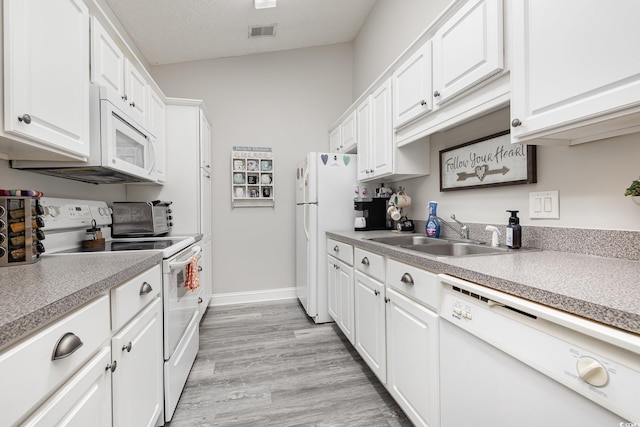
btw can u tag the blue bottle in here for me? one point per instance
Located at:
(433, 224)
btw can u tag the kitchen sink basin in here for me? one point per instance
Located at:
(408, 240)
(442, 247)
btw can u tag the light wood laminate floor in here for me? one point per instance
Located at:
(267, 364)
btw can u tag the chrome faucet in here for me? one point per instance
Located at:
(464, 228)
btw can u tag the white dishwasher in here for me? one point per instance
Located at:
(506, 361)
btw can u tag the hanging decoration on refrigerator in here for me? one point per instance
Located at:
(252, 177)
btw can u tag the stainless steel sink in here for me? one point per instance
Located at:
(407, 240)
(441, 247)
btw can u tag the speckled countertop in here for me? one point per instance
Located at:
(33, 295)
(606, 290)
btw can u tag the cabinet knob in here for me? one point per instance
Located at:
(66, 346)
(376, 292)
(365, 261)
(336, 248)
(436, 94)
(515, 123)
(127, 347)
(124, 97)
(199, 268)
(145, 288)
(423, 102)
(133, 104)
(112, 366)
(386, 299)
(199, 300)
(25, 118)
(407, 279)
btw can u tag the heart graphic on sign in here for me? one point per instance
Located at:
(481, 171)
(346, 160)
(324, 158)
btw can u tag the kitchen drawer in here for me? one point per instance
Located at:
(28, 371)
(369, 263)
(131, 297)
(342, 251)
(420, 285)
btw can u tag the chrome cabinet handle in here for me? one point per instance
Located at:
(199, 268)
(336, 248)
(407, 279)
(423, 102)
(145, 289)
(376, 292)
(515, 123)
(124, 97)
(127, 347)
(133, 104)
(365, 261)
(436, 94)
(112, 366)
(386, 299)
(199, 300)
(66, 346)
(25, 118)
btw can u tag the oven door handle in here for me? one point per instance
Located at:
(197, 250)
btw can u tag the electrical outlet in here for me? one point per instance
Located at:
(544, 204)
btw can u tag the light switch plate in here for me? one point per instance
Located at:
(544, 204)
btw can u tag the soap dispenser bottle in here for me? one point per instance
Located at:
(433, 224)
(513, 238)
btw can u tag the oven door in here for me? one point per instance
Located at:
(125, 146)
(180, 304)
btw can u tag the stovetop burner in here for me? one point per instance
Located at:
(142, 245)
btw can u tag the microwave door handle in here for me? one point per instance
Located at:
(181, 264)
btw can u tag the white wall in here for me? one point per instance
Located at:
(389, 29)
(284, 100)
(58, 187)
(591, 179)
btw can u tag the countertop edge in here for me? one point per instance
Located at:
(623, 320)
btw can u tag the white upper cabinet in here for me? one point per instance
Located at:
(363, 130)
(111, 68)
(412, 87)
(343, 137)
(381, 154)
(157, 128)
(575, 75)
(334, 139)
(46, 93)
(467, 49)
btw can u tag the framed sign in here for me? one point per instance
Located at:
(487, 162)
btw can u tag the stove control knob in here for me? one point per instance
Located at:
(170, 224)
(592, 372)
(169, 211)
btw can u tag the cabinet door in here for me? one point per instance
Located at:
(412, 358)
(572, 60)
(363, 126)
(345, 303)
(46, 47)
(85, 400)
(107, 63)
(136, 91)
(370, 324)
(137, 380)
(206, 276)
(412, 87)
(205, 176)
(157, 124)
(381, 131)
(467, 49)
(334, 140)
(332, 288)
(348, 140)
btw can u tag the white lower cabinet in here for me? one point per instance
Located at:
(85, 400)
(370, 324)
(340, 289)
(137, 378)
(412, 358)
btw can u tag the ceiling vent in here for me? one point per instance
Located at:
(262, 31)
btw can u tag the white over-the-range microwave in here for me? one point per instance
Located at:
(121, 150)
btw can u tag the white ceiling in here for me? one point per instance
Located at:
(171, 31)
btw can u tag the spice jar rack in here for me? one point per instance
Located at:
(21, 232)
(252, 177)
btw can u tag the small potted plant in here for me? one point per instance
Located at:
(634, 191)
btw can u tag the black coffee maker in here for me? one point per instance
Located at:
(374, 210)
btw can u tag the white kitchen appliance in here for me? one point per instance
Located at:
(121, 150)
(66, 222)
(506, 361)
(325, 185)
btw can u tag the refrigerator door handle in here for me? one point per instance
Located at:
(305, 180)
(304, 221)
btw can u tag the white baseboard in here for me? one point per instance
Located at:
(253, 296)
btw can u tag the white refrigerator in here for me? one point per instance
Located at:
(325, 184)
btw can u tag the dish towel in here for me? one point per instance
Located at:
(192, 282)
